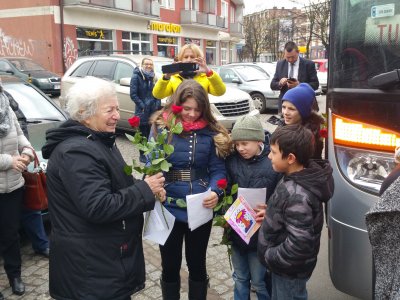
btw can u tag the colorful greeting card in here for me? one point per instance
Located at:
(242, 218)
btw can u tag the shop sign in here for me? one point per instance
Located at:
(95, 34)
(211, 44)
(166, 40)
(164, 27)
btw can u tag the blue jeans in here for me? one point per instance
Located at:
(288, 289)
(248, 268)
(32, 223)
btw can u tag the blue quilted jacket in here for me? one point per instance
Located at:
(193, 150)
(141, 89)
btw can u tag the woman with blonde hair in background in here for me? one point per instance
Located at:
(208, 79)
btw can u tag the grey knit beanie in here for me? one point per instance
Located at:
(248, 128)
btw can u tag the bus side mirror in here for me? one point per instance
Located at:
(385, 81)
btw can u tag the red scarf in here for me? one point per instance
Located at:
(196, 125)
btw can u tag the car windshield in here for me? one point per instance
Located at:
(26, 65)
(159, 64)
(33, 104)
(250, 74)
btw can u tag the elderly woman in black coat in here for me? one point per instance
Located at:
(96, 210)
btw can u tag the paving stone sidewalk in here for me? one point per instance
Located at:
(35, 268)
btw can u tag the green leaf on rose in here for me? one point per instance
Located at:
(128, 170)
(177, 129)
(157, 161)
(169, 149)
(165, 165)
(234, 189)
(181, 203)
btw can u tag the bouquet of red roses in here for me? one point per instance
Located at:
(157, 149)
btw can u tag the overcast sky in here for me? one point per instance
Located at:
(256, 5)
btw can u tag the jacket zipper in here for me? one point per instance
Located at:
(192, 163)
(123, 225)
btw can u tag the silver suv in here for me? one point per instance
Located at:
(119, 69)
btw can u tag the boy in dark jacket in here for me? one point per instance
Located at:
(249, 167)
(289, 239)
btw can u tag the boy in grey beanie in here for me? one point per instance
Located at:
(250, 167)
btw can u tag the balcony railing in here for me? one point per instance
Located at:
(202, 18)
(236, 29)
(143, 7)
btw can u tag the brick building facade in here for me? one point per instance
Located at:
(56, 32)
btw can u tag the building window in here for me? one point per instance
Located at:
(224, 53)
(224, 9)
(192, 41)
(232, 14)
(169, 4)
(167, 46)
(136, 42)
(93, 40)
(211, 52)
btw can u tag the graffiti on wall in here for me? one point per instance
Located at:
(70, 53)
(12, 46)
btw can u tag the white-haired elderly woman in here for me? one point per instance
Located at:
(15, 155)
(96, 210)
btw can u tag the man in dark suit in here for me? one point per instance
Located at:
(293, 70)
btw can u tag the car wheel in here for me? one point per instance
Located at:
(259, 101)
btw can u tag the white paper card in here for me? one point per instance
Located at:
(253, 196)
(197, 213)
(157, 228)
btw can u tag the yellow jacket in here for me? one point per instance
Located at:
(213, 85)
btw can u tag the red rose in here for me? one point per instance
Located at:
(222, 184)
(134, 121)
(323, 133)
(176, 109)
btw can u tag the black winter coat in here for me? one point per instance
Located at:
(289, 238)
(256, 172)
(96, 211)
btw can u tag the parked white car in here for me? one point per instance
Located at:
(119, 69)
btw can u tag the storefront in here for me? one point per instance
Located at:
(93, 40)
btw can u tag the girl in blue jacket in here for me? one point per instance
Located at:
(197, 165)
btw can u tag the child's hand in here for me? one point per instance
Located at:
(260, 210)
(211, 201)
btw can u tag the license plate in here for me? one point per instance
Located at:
(56, 86)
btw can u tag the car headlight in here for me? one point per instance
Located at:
(366, 169)
(364, 152)
(43, 80)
